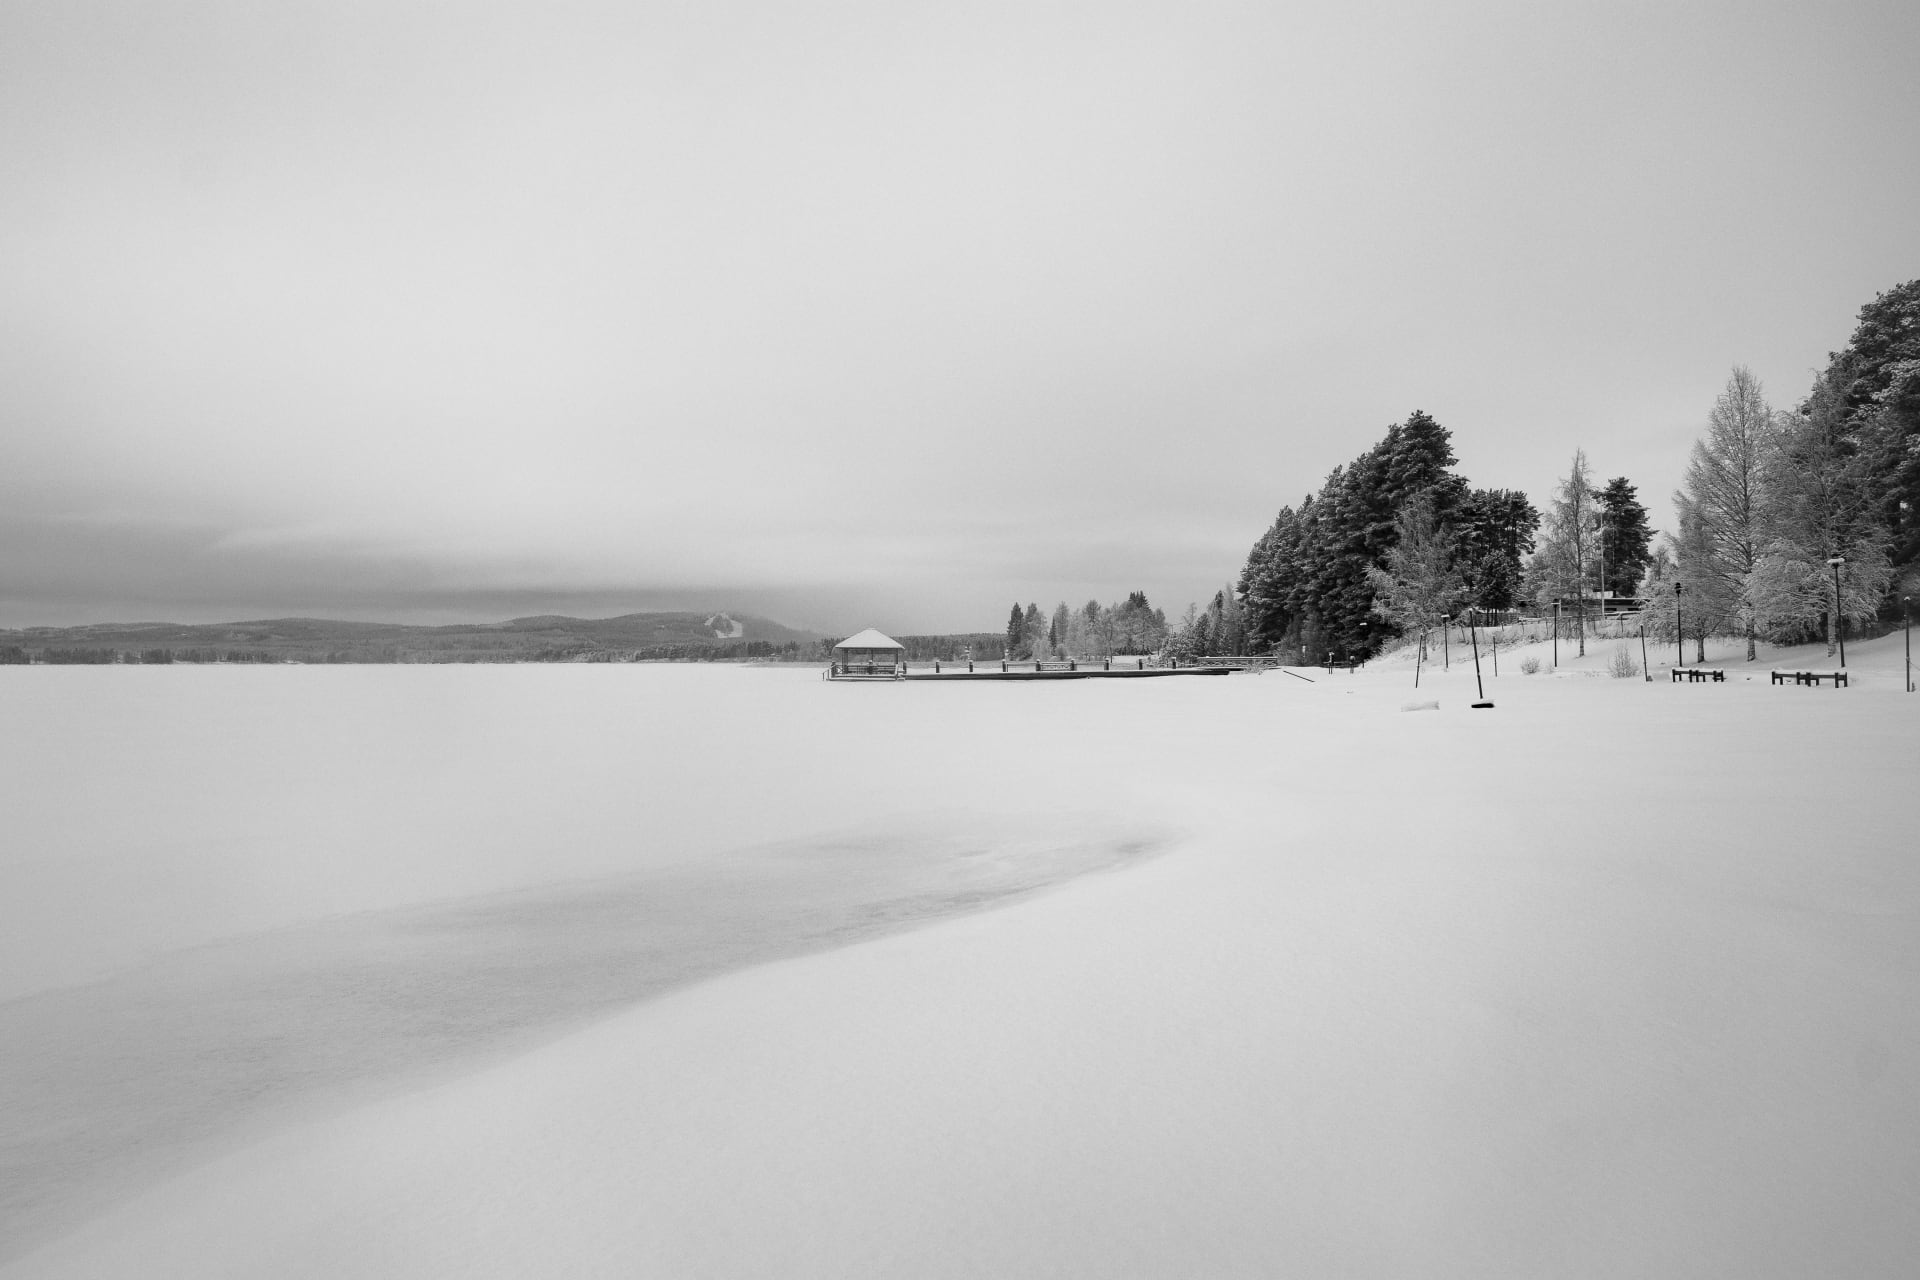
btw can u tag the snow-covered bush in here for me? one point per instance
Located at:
(1621, 665)
(1529, 665)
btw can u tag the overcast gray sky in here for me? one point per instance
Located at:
(877, 313)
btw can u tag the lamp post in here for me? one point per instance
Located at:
(1906, 606)
(1906, 613)
(1679, 635)
(1446, 642)
(1839, 619)
(1603, 581)
(1556, 635)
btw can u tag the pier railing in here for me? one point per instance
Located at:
(1119, 662)
(883, 670)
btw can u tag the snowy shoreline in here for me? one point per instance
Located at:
(114, 1084)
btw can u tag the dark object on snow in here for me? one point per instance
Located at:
(1474, 632)
(1813, 678)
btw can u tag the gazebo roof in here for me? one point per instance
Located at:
(869, 639)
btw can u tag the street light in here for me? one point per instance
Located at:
(1906, 612)
(1679, 638)
(1906, 606)
(1839, 619)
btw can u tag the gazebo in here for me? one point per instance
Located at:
(869, 654)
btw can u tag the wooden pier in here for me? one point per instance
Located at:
(997, 669)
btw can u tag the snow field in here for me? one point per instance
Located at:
(1613, 979)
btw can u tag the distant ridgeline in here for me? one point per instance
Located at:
(634, 637)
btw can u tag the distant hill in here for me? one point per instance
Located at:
(546, 638)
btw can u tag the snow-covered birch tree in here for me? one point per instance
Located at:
(1419, 585)
(1657, 615)
(1569, 542)
(1710, 599)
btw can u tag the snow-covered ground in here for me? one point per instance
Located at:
(687, 971)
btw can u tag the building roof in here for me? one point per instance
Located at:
(869, 639)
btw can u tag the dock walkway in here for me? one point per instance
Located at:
(996, 669)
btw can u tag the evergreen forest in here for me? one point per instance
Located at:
(1791, 523)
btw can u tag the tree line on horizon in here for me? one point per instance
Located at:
(1396, 541)
(1126, 627)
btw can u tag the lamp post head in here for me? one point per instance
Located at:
(1837, 561)
(1678, 587)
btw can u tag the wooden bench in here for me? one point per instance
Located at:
(1694, 675)
(1839, 678)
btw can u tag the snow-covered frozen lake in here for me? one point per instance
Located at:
(701, 970)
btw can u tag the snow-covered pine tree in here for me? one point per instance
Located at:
(1624, 537)
(1306, 580)
(1820, 490)
(1493, 532)
(1096, 626)
(1222, 619)
(1230, 630)
(1185, 640)
(1877, 377)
